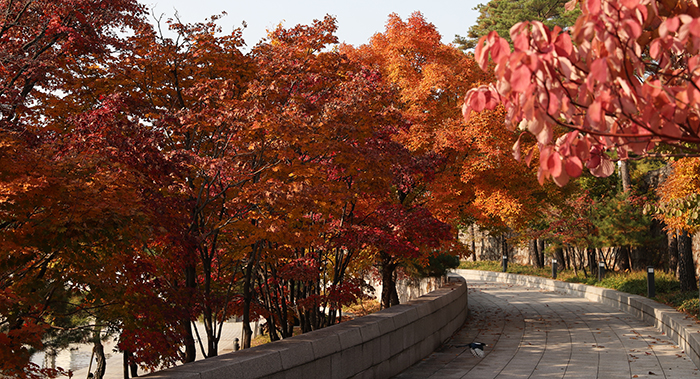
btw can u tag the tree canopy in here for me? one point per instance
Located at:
(149, 183)
(176, 179)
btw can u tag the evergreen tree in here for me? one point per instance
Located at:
(501, 15)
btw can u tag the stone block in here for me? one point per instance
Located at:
(385, 347)
(375, 347)
(174, 373)
(324, 343)
(396, 342)
(246, 364)
(383, 370)
(422, 308)
(348, 363)
(369, 331)
(349, 337)
(322, 368)
(406, 315)
(408, 333)
(423, 328)
(385, 323)
(401, 362)
(283, 375)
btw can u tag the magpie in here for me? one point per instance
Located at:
(477, 349)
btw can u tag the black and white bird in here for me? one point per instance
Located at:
(477, 349)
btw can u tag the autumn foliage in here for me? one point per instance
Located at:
(623, 79)
(149, 182)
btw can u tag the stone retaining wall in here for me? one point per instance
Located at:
(684, 330)
(379, 345)
(409, 289)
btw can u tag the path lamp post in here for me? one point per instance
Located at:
(505, 263)
(554, 268)
(651, 288)
(601, 271)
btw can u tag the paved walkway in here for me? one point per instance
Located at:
(532, 333)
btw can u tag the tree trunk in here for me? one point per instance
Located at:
(540, 250)
(473, 230)
(625, 175)
(134, 368)
(592, 266)
(559, 256)
(623, 260)
(637, 261)
(190, 347)
(130, 364)
(535, 254)
(50, 359)
(389, 294)
(481, 255)
(571, 256)
(272, 331)
(247, 299)
(125, 354)
(672, 252)
(686, 268)
(208, 315)
(99, 351)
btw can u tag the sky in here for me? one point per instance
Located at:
(357, 20)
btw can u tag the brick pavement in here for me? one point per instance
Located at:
(531, 333)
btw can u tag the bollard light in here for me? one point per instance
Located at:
(554, 268)
(505, 263)
(651, 288)
(601, 271)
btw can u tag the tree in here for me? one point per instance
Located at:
(501, 15)
(64, 233)
(190, 89)
(597, 81)
(678, 208)
(39, 38)
(329, 118)
(472, 175)
(54, 206)
(425, 75)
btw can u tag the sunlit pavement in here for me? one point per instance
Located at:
(531, 333)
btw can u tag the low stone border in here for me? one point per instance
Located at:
(379, 345)
(683, 329)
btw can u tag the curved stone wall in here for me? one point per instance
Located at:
(379, 345)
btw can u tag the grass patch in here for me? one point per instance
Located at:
(667, 286)
(264, 338)
(362, 307)
(260, 340)
(513, 268)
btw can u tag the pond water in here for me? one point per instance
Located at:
(77, 357)
(74, 358)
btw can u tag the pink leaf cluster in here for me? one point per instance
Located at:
(624, 78)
